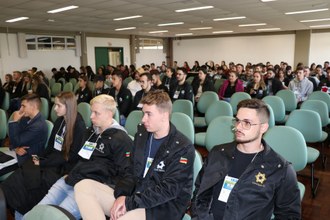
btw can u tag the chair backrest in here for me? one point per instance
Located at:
(289, 143)
(73, 81)
(184, 124)
(133, 119)
(44, 107)
(278, 107)
(289, 99)
(76, 87)
(206, 100)
(50, 126)
(6, 101)
(53, 115)
(3, 124)
(190, 79)
(127, 80)
(116, 115)
(218, 83)
(40, 212)
(308, 123)
(68, 87)
(91, 86)
(198, 163)
(52, 81)
(85, 110)
(56, 89)
(236, 98)
(219, 131)
(186, 217)
(184, 106)
(320, 107)
(271, 121)
(62, 81)
(218, 108)
(319, 95)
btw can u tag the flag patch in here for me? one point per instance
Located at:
(127, 154)
(183, 160)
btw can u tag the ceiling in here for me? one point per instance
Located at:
(96, 16)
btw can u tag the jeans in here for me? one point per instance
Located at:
(62, 194)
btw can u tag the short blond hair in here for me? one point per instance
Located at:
(107, 101)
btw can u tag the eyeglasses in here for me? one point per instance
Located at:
(246, 125)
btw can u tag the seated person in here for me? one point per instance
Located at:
(230, 86)
(29, 184)
(122, 96)
(160, 183)
(301, 86)
(105, 152)
(28, 131)
(100, 86)
(169, 80)
(83, 94)
(145, 82)
(273, 84)
(257, 88)
(181, 89)
(246, 179)
(134, 86)
(156, 82)
(202, 84)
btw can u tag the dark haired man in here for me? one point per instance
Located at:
(246, 179)
(145, 82)
(182, 89)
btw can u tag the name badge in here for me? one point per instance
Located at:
(58, 142)
(227, 186)
(176, 94)
(87, 150)
(148, 164)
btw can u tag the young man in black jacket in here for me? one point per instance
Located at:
(182, 89)
(160, 180)
(246, 179)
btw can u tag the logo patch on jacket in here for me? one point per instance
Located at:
(160, 167)
(260, 179)
(183, 160)
(127, 154)
(100, 148)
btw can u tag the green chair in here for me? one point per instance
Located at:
(218, 83)
(127, 80)
(184, 106)
(50, 212)
(186, 217)
(50, 126)
(271, 121)
(278, 107)
(319, 95)
(218, 108)
(219, 131)
(236, 98)
(73, 81)
(75, 88)
(320, 107)
(6, 101)
(184, 124)
(190, 79)
(206, 100)
(62, 81)
(309, 124)
(116, 116)
(55, 90)
(53, 115)
(85, 110)
(68, 87)
(3, 123)
(198, 164)
(51, 82)
(289, 99)
(133, 119)
(290, 144)
(44, 107)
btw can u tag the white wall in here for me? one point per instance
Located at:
(254, 49)
(43, 60)
(93, 42)
(147, 56)
(319, 48)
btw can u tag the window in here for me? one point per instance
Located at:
(148, 43)
(38, 42)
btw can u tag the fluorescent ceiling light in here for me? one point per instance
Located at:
(126, 18)
(230, 18)
(200, 28)
(307, 11)
(63, 9)
(169, 24)
(194, 9)
(124, 29)
(320, 26)
(251, 25)
(269, 29)
(17, 19)
(222, 32)
(156, 32)
(268, 0)
(314, 20)
(184, 34)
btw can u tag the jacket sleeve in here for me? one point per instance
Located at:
(126, 103)
(222, 89)
(189, 93)
(287, 198)
(173, 180)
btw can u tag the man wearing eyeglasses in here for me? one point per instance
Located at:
(246, 179)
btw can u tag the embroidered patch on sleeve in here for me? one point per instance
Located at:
(127, 154)
(183, 160)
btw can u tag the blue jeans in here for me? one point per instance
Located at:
(62, 194)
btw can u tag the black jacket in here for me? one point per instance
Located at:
(84, 95)
(137, 98)
(109, 161)
(184, 92)
(166, 189)
(169, 83)
(206, 86)
(279, 194)
(123, 99)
